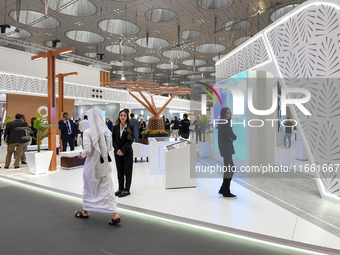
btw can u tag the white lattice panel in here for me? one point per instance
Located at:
(248, 57)
(305, 47)
(35, 86)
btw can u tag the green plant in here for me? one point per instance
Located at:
(42, 130)
(8, 119)
(204, 126)
(148, 132)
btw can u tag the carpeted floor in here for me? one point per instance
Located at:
(38, 222)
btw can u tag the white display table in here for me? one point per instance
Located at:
(156, 153)
(3, 153)
(180, 173)
(300, 152)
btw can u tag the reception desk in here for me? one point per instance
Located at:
(180, 163)
(156, 153)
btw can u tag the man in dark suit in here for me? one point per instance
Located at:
(76, 126)
(68, 132)
(143, 123)
(134, 123)
(109, 124)
(14, 139)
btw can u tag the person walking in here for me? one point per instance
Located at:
(167, 124)
(288, 133)
(122, 138)
(76, 126)
(134, 123)
(184, 125)
(98, 185)
(68, 132)
(25, 146)
(226, 137)
(14, 140)
(83, 125)
(175, 127)
(197, 128)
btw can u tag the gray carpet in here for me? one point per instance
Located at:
(38, 222)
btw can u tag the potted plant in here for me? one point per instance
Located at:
(38, 161)
(205, 128)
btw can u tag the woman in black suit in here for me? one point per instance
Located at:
(122, 137)
(226, 137)
(167, 124)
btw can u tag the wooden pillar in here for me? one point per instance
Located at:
(61, 104)
(104, 76)
(52, 108)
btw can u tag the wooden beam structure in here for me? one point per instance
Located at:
(61, 98)
(51, 96)
(151, 89)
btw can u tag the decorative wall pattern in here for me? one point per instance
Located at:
(249, 56)
(306, 49)
(23, 85)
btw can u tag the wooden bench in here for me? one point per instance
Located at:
(69, 159)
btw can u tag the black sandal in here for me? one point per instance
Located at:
(79, 214)
(114, 222)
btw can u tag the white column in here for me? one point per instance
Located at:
(204, 104)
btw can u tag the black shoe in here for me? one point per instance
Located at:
(118, 192)
(220, 192)
(6, 167)
(17, 167)
(23, 162)
(230, 196)
(114, 222)
(124, 194)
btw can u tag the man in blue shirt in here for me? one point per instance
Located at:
(175, 127)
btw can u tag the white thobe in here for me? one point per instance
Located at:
(98, 192)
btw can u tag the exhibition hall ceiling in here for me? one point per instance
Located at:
(173, 42)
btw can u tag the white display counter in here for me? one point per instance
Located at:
(180, 162)
(156, 153)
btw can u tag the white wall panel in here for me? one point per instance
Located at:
(19, 62)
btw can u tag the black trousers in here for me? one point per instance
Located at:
(185, 135)
(69, 141)
(228, 175)
(124, 169)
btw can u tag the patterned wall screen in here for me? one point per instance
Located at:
(305, 47)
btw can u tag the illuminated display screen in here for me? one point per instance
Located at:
(240, 145)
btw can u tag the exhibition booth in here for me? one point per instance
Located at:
(275, 207)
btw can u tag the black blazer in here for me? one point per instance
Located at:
(123, 143)
(64, 131)
(134, 123)
(226, 137)
(15, 136)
